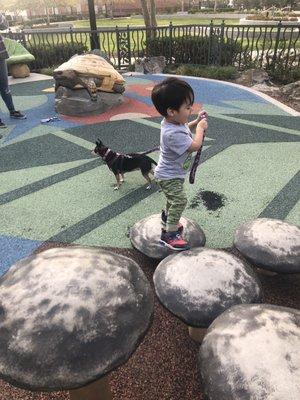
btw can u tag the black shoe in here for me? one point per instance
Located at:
(164, 222)
(173, 240)
(17, 115)
(2, 124)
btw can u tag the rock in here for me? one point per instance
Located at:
(198, 285)
(270, 244)
(252, 351)
(152, 65)
(145, 236)
(78, 102)
(70, 315)
(263, 87)
(252, 77)
(19, 70)
(292, 92)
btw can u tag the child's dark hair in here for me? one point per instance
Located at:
(171, 93)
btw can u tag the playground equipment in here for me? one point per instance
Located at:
(77, 314)
(145, 235)
(19, 58)
(252, 351)
(200, 284)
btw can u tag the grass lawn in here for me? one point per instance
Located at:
(134, 21)
(108, 40)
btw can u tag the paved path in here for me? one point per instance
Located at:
(51, 189)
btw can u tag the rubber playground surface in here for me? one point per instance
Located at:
(53, 190)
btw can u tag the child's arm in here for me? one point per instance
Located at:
(194, 123)
(198, 138)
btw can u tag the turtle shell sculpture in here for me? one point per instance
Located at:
(91, 72)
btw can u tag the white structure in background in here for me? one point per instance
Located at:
(16, 14)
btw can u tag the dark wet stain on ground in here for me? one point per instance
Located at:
(212, 201)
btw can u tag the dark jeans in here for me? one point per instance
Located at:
(4, 88)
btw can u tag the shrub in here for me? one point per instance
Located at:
(194, 50)
(257, 17)
(265, 18)
(281, 73)
(279, 19)
(48, 71)
(224, 9)
(285, 76)
(52, 55)
(195, 10)
(206, 10)
(204, 71)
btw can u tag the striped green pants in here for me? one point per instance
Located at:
(173, 189)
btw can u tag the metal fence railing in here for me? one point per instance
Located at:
(238, 45)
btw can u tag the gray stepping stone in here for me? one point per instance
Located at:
(198, 285)
(145, 236)
(252, 351)
(70, 315)
(270, 244)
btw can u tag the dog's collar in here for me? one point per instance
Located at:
(110, 157)
(106, 154)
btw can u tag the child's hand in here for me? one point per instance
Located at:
(202, 114)
(203, 124)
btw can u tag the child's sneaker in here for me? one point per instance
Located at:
(173, 240)
(2, 124)
(164, 221)
(17, 115)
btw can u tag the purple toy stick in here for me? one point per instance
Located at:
(203, 115)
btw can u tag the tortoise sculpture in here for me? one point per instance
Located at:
(91, 72)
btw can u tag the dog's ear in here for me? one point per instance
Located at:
(98, 142)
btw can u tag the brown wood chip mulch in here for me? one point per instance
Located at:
(164, 367)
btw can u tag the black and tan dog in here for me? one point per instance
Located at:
(119, 164)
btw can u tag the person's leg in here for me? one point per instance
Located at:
(164, 214)
(176, 200)
(6, 94)
(168, 205)
(4, 88)
(176, 197)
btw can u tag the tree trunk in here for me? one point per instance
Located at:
(216, 5)
(146, 14)
(153, 13)
(47, 12)
(48, 16)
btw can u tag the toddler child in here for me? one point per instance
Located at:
(173, 98)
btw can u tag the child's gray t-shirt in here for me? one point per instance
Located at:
(174, 160)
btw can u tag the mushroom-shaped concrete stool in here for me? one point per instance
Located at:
(197, 285)
(270, 244)
(252, 351)
(145, 236)
(68, 316)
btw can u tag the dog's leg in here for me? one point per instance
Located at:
(147, 177)
(122, 178)
(117, 187)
